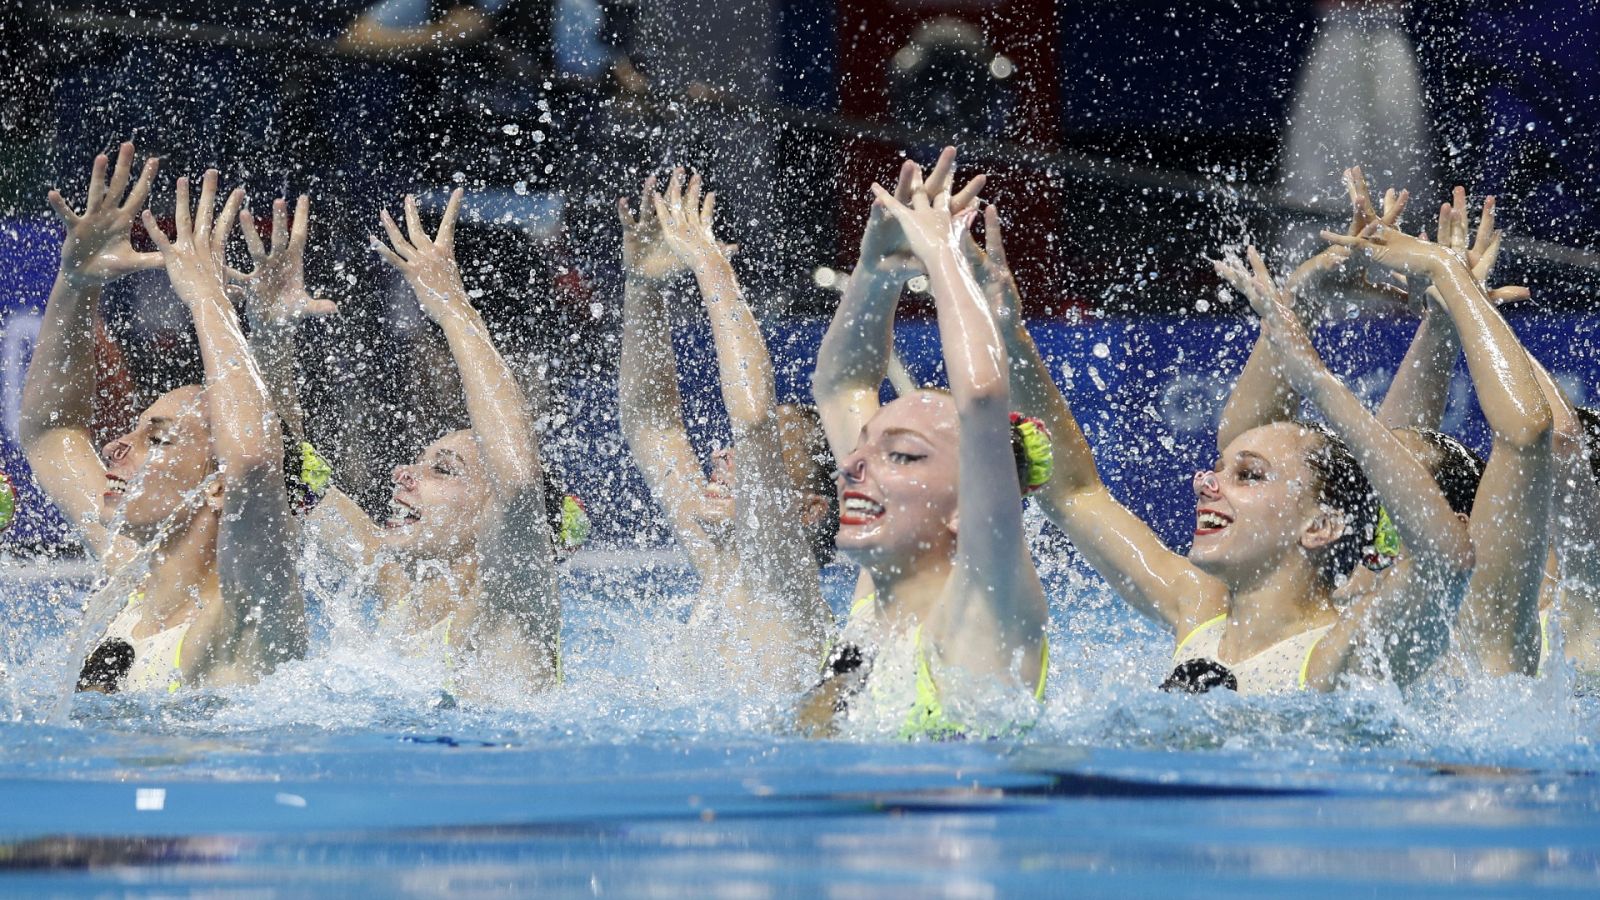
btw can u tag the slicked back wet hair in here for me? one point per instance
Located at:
(1455, 468)
(1344, 488)
(819, 480)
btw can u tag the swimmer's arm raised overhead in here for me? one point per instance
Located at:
(1262, 395)
(1499, 617)
(518, 559)
(997, 611)
(276, 302)
(1121, 548)
(784, 610)
(858, 348)
(57, 410)
(1574, 523)
(1404, 621)
(1421, 387)
(257, 544)
(650, 407)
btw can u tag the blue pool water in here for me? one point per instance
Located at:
(647, 775)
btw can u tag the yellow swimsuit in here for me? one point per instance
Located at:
(1278, 669)
(900, 686)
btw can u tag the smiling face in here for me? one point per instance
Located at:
(898, 488)
(438, 501)
(801, 442)
(1258, 505)
(153, 472)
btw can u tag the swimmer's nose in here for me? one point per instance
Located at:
(116, 450)
(852, 469)
(1206, 484)
(404, 477)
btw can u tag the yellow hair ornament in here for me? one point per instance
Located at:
(574, 523)
(8, 502)
(1030, 442)
(315, 472)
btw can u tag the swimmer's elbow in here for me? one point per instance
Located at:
(1532, 429)
(983, 394)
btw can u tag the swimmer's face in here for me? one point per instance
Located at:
(716, 504)
(796, 441)
(439, 501)
(155, 471)
(898, 488)
(1258, 504)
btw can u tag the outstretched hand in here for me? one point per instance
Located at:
(1394, 249)
(884, 246)
(1279, 323)
(994, 272)
(428, 264)
(645, 253)
(930, 226)
(1333, 258)
(277, 293)
(194, 255)
(97, 248)
(1483, 249)
(686, 221)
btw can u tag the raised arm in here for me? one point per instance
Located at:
(257, 544)
(517, 555)
(276, 301)
(650, 406)
(1262, 395)
(1404, 620)
(857, 350)
(54, 422)
(1499, 617)
(1421, 387)
(995, 600)
(785, 610)
(1116, 543)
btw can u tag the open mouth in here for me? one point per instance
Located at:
(858, 509)
(1209, 521)
(115, 487)
(400, 514)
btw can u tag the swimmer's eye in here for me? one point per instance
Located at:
(1250, 475)
(444, 469)
(160, 440)
(901, 459)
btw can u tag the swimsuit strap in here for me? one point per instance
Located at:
(1198, 629)
(1305, 662)
(927, 716)
(1544, 640)
(177, 663)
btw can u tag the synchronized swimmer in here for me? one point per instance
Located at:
(1358, 547)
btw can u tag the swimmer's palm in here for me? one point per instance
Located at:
(645, 253)
(436, 280)
(277, 285)
(97, 248)
(884, 247)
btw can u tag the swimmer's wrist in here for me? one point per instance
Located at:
(1443, 264)
(79, 281)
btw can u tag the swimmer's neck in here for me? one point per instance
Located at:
(1289, 600)
(908, 598)
(183, 576)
